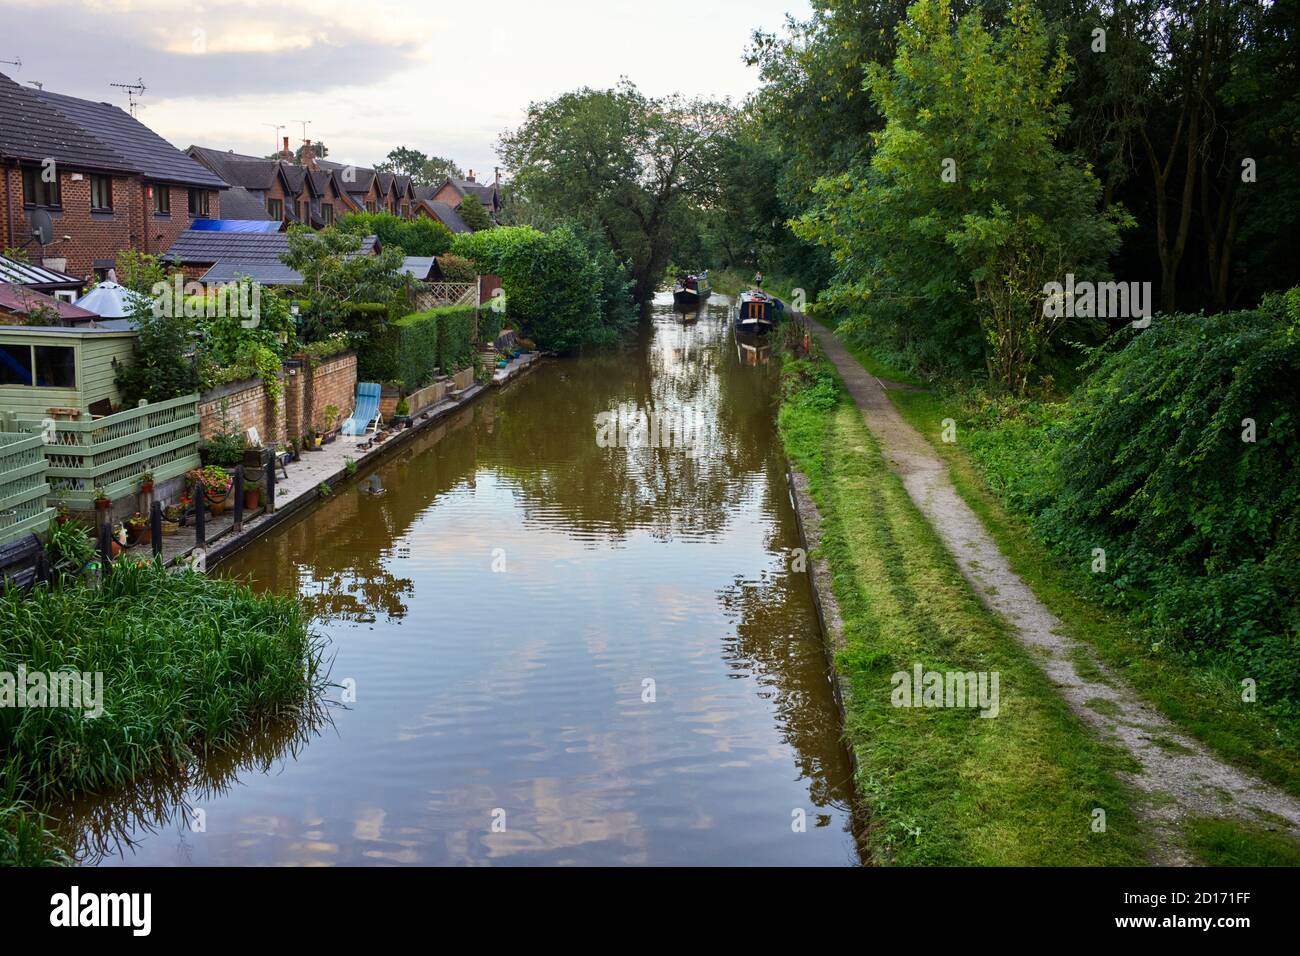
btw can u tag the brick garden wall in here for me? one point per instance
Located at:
(306, 393)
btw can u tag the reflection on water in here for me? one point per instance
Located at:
(561, 652)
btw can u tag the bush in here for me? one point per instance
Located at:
(564, 290)
(1200, 519)
(421, 236)
(414, 346)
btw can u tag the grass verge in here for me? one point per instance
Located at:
(189, 665)
(1234, 843)
(944, 785)
(1202, 699)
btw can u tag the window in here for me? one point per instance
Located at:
(15, 365)
(162, 200)
(199, 203)
(302, 210)
(327, 213)
(55, 365)
(370, 205)
(275, 207)
(38, 192)
(406, 210)
(101, 193)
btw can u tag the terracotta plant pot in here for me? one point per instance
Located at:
(146, 487)
(170, 528)
(251, 498)
(138, 536)
(217, 506)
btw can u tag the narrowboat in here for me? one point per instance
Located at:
(692, 289)
(757, 312)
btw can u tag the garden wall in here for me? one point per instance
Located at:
(307, 390)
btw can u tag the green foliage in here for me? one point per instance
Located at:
(346, 292)
(1201, 529)
(69, 548)
(421, 236)
(161, 367)
(472, 212)
(140, 271)
(455, 338)
(457, 269)
(191, 664)
(564, 289)
(627, 166)
(424, 170)
(966, 208)
(415, 346)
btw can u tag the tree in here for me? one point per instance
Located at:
(161, 367)
(345, 291)
(424, 170)
(966, 209)
(421, 236)
(620, 163)
(471, 210)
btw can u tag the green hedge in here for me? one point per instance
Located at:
(412, 348)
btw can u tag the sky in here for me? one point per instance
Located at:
(444, 78)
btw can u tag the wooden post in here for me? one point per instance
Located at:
(270, 486)
(155, 528)
(105, 549)
(200, 519)
(239, 499)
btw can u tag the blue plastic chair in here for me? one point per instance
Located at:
(365, 417)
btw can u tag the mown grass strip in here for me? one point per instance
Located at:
(944, 785)
(1200, 699)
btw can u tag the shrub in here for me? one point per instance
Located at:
(1199, 517)
(421, 236)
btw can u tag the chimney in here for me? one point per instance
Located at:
(285, 154)
(470, 177)
(308, 155)
(496, 177)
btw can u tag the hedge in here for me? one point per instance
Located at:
(412, 348)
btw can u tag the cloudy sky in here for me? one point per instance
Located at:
(442, 77)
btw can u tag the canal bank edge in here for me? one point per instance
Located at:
(231, 543)
(809, 521)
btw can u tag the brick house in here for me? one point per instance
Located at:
(107, 182)
(453, 191)
(426, 205)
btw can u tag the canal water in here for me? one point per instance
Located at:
(547, 650)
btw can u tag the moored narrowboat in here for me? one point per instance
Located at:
(757, 312)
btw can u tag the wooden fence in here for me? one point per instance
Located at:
(23, 485)
(112, 452)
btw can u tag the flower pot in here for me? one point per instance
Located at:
(317, 442)
(251, 498)
(170, 528)
(146, 487)
(137, 536)
(103, 504)
(218, 505)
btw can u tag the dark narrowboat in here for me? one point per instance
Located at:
(692, 289)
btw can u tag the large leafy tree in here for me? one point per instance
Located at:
(344, 290)
(423, 169)
(620, 163)
(966, 209)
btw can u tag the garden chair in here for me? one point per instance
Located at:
(366, 416)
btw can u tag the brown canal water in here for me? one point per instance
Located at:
(501, 611)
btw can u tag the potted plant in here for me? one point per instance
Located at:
(102, 503)
(252, 494)
(138, 530)
(171, 519)
(146, 482)
(62, 515)
(402, 414)
(216, 485)
(331, 414)
(316, 436)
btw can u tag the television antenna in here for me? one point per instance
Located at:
(36, 83)
(305, 124)
(17, 61)
(133, 92)
(277, 127)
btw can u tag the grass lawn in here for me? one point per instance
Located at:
(944, 785)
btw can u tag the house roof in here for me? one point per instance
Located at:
(22, 299)
(264, 271)
(485, 193)
(445, 214)
(421, 267)
(28, 274)
(238, 203)
(146, 151)
(197, 247)
(31, 130)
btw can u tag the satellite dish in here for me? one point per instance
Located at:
(42, 227)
